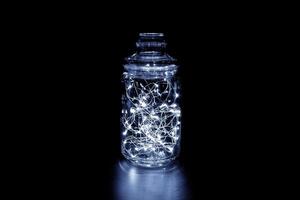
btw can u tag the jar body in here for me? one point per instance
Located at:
(151, 115)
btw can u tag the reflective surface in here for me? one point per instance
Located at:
(135, 183)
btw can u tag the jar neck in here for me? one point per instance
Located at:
(151, 55)
(151, 43)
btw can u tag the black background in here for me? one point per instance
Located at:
(78, 58)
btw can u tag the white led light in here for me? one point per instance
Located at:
(132, 110)
(143, 104)
(154, 117)
(173, 105)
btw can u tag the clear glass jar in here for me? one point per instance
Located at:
(151, 115)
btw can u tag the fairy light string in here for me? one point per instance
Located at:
(150, 118)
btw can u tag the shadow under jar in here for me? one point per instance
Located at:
(151, 115)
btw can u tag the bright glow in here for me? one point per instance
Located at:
(132, 110)
(152, 125)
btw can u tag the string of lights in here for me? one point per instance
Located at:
(150, 119)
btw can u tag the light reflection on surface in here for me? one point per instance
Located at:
(135, 183)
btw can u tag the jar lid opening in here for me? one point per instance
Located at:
(151, 35)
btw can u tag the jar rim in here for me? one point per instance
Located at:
(151, 34)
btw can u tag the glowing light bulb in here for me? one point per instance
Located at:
(143, 104)
(132, 110)
(154, 117)
(173, 105)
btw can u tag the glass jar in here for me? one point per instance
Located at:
(151, 115)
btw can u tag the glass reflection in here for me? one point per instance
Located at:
(136, 183)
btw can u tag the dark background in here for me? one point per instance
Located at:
(78, 90)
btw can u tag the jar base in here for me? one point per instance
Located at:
(152, 163)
